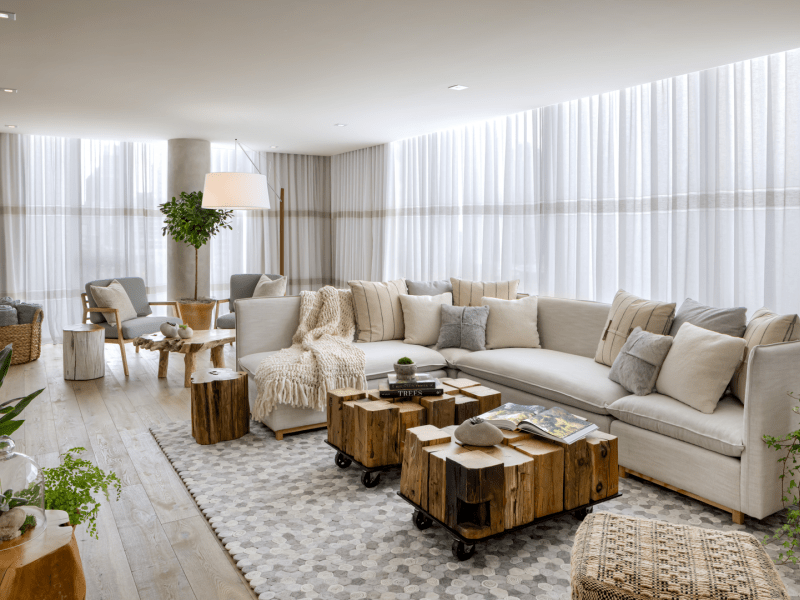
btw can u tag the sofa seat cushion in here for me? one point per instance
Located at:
(568, 379)
(381, 357)
(452, 355)
(227, 321)
(721, 431)
(133, 328)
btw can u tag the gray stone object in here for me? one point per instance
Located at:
(481, 433)
(10, 522)
(169, 330)
(185, 332)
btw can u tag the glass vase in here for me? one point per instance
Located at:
(21, 486)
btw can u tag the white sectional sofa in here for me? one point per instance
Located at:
(719, 458)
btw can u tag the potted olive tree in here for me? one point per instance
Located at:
(185, 220)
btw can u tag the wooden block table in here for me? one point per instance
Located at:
(220, 405)
(479, 492)
(212, 339)
(84, 357)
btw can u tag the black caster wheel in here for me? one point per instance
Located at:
(462, 551)
(582, 513)
(421, 521)
(342, 461)
(370, 480)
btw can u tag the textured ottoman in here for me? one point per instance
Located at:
(616, 557)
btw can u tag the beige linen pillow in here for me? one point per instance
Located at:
(379, 316)
(764, 328)
(114, 296)
(422, 316)
(699, 366)
(470, 293)
(627, 313)
(511, 323)
(270, 288)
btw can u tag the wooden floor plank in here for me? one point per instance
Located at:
(155, 568)
(204, 561)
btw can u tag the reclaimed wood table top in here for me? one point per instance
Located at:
(200, 340)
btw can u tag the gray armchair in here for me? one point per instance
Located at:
(242, 286)
(144, 323)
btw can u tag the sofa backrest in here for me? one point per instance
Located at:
(243, 286)
(134, 287)
(572, 326)
(265, 324)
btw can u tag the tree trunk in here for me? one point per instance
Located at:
(195, 273)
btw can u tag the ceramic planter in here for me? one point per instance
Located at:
(405, 371)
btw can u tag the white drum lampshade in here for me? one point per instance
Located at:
(240, 191)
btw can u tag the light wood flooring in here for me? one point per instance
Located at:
(154, 543)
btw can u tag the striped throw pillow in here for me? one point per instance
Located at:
(627, 313)
(469, 293)
(764, 328)
(379, 316)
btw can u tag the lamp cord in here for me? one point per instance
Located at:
(238, 143)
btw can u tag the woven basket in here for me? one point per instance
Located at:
(197, 315)
(25, 340)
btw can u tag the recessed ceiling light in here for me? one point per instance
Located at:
(340, 124)
(457, 88)
(273, 146)
(8, 15)
(11, 126)
(9, 90)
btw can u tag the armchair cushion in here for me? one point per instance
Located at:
(134, 287)
(227, 321)
(134, 328)
(243, 286)
(113, 296)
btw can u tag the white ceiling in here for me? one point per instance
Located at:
(282, 72)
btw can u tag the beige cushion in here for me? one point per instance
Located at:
(627, 313)
(572, 326)
(114, 296)
(470, 293)
(764, 328)
(379, 315)
(422, 316)
(699, 366)
(511, 323)
(568, 379)
(270, 288)
(721, 431)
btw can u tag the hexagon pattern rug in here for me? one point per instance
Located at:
(300, 527)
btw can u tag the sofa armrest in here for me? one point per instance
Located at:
(265, 324)
(773, 372)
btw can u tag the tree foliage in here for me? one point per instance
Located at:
(187, 221)
(789, 532)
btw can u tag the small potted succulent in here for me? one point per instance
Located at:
(405, 368)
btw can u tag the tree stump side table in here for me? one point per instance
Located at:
(220, 405)
(84, 355)
(45, 568)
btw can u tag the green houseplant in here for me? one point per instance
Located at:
(405, 368)
(789, 532)
(186, 221)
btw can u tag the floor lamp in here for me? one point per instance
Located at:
(243, 191)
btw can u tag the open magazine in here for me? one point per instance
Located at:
(552, 423)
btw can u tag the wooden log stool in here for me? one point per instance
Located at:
(84, 356)
(548, 482)
(336, 421)
(45, 568)
(475, 499)
(466, 408)
(375, 431)
(220, 405)
(617, 557)
(488, 399)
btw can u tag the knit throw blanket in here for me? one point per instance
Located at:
(322, 356)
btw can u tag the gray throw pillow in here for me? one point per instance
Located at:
(429, 288)
(729, 321)
(639, 361)
(463, 327)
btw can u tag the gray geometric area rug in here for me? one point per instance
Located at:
(300, 527)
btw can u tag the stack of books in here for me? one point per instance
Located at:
(421, 385)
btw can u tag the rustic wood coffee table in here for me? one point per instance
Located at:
(477, 493)
(213, 339)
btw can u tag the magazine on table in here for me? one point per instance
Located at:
(552, 423)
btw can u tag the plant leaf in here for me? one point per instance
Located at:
(10, 427)
(5, 362)
(21, 405)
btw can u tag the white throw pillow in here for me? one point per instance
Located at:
(511, 323)
(699, 366)
(114, 296)
(423, 317)
(270, 288)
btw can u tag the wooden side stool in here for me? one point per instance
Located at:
(84, 356)
(220, 405)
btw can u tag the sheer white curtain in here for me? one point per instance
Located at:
(687, 187)
(252, 246)
(74, 211)
(358, 198)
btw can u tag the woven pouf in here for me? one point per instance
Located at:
(616, 557)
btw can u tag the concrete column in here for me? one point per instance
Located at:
(189, 161)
